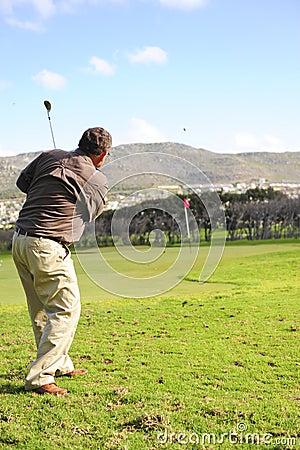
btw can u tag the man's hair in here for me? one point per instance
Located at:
(94, 141)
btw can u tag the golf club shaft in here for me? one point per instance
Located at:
(48, 108)
(51, 130)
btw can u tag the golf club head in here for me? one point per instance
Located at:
(47, 105)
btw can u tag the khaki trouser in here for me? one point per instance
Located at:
(47, 273)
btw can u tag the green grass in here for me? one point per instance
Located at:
(198, 359)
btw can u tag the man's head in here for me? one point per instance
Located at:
(96, 143)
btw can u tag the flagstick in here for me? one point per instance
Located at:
(187, 222)
(187, 226)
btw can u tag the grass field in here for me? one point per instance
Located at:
(211, 366)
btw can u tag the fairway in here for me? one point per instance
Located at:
(12, 292)
(202, 366)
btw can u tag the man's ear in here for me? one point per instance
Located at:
(98, 159)
(95, 159)
(102, 156)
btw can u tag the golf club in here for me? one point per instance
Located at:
(48, 108)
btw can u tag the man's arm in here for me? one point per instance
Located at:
(26, 176)
(92, 198)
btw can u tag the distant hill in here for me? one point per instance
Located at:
(219, 168)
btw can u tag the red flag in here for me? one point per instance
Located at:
(186, 203)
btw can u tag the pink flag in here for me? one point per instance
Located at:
(186, 203)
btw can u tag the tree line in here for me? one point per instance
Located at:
(261, 214)
(257, 214)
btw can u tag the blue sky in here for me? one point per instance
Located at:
(216, 74)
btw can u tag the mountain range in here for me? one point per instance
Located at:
(180, 161)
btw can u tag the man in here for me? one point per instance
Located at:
(64, 191)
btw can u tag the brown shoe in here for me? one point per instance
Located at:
(50, 388)
(75, 373)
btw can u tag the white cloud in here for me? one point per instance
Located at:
(50, 80)
(184, 4)
(69, 6)
(245, 140)
(24, 24)
(44, 8)
(149, 55)
(101, 66)
(258, 143)
(271, 140)
(142, 131)
(4, 85)
(35, 10)
(6, 6)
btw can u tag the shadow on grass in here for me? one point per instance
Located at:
(10, 388)
(10, 382)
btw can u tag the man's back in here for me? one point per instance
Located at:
(54, 182)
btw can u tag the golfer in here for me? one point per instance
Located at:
(64, 191)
